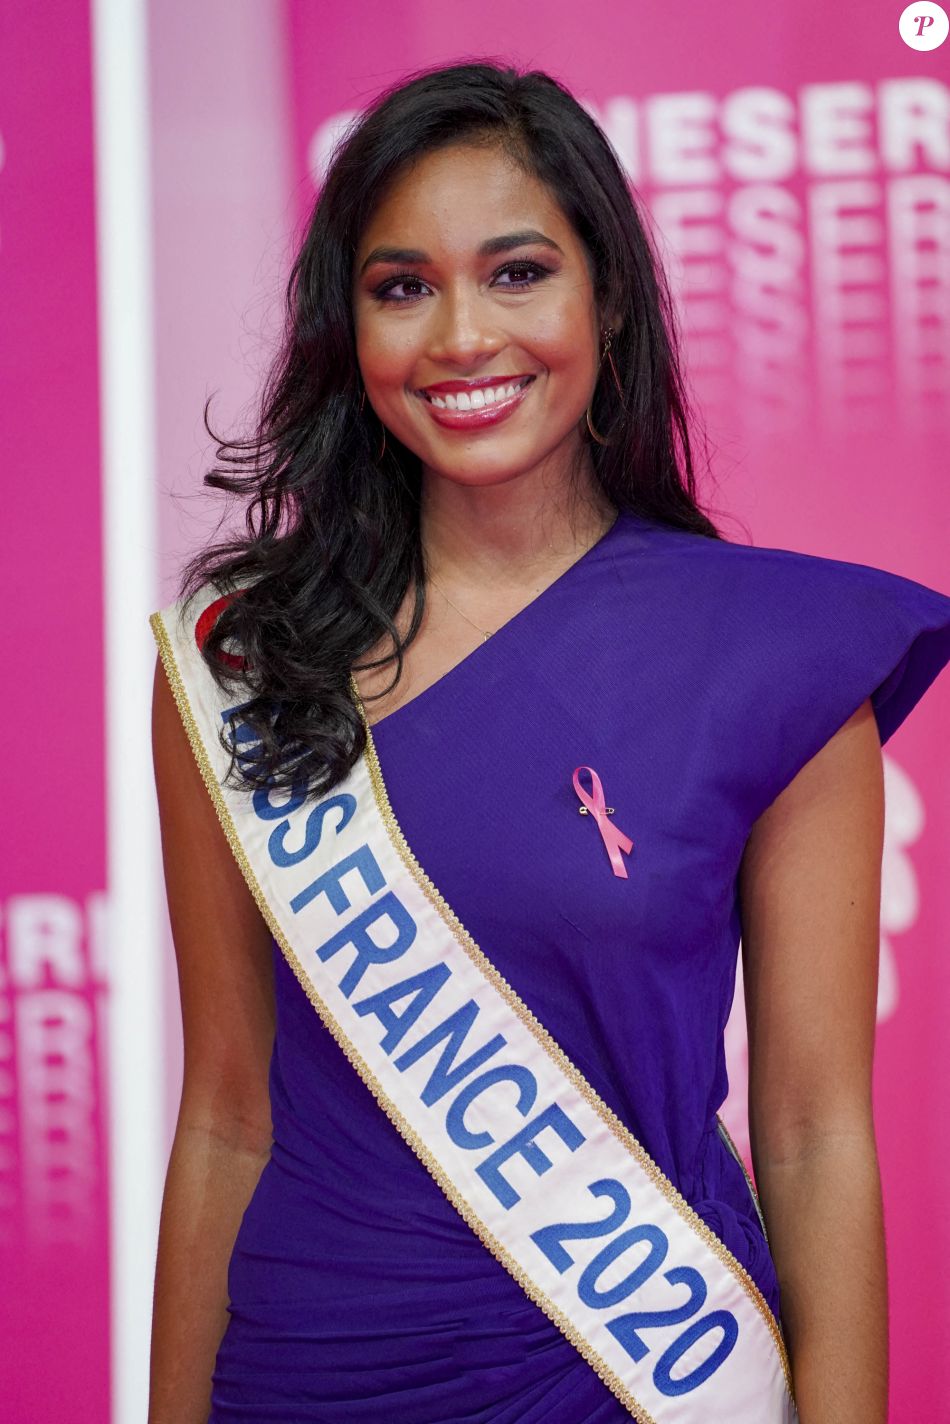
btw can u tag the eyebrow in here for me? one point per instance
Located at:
(414, 256)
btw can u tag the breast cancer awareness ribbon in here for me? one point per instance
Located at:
(613, 839)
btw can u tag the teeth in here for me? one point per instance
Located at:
(480, 397)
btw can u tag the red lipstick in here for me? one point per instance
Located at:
(474, 419)
(452, 387)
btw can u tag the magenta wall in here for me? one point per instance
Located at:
(53, 1188)
(796, 162)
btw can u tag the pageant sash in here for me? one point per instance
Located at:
(541, 1169)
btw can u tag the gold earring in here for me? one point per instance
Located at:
(382, 449)
(608, 340)
(608, 336)
(590, 426)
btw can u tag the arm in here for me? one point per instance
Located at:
(223, 1133)
(810, 887)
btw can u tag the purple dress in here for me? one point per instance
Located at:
(696, 676)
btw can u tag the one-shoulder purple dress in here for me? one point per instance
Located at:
(696, 676)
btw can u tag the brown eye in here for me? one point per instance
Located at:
(381, 293)
(535, 268)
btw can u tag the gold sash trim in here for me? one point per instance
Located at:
(518, 1007)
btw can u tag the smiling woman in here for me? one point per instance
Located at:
(466, 324)
(475, 232)
(448, 1146)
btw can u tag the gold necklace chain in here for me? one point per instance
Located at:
(485, 634)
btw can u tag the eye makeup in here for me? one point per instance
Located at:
(538, 269)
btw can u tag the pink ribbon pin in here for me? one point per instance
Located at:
(613, 839)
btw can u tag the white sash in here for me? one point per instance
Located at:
(540, 1168)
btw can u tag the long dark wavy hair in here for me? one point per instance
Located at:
(332, 542)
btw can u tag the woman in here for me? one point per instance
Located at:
(479, 612)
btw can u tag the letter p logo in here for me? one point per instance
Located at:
(924, 25)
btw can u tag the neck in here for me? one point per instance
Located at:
(508, 534)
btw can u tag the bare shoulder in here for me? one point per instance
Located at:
(824, 827)
(223, 946)
(810, 885)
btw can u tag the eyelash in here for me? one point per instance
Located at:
(380, 293)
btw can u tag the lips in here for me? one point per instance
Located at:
(483, 396)
(442, 388)
(490, 413)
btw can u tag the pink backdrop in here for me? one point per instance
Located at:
(53, 1186)
(796, 161)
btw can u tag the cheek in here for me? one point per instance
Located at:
(384, 355)
(563, 338)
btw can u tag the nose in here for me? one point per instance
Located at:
(465, 327)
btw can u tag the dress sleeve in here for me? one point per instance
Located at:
(827, 634)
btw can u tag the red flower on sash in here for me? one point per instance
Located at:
(594, 805)
(207, 621)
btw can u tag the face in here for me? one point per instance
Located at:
(490, 287)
